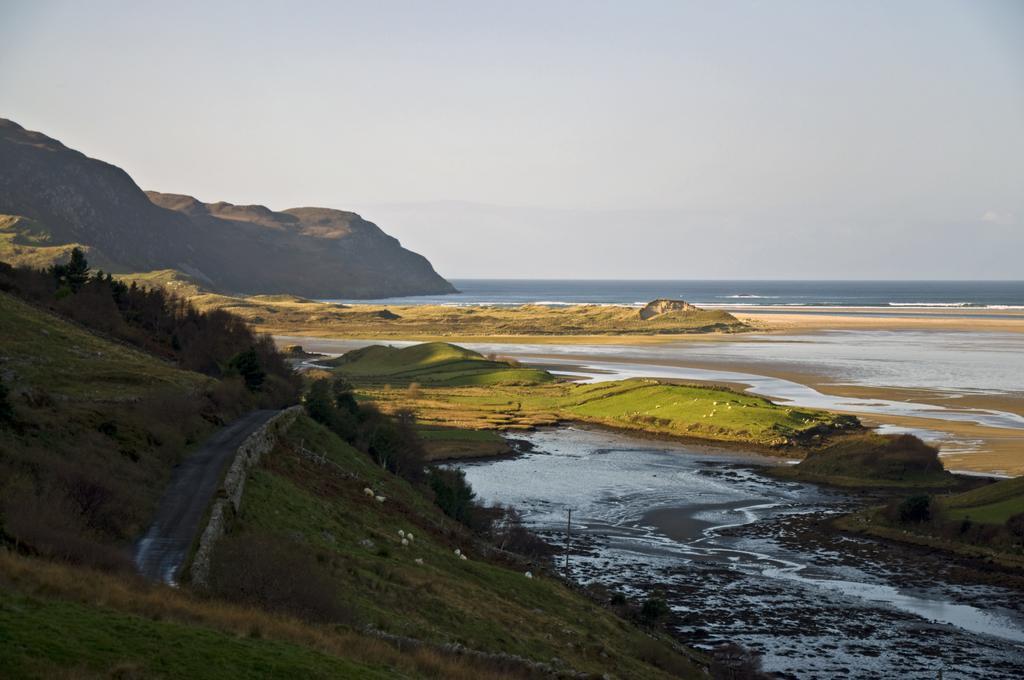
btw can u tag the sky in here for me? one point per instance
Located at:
(566, 139)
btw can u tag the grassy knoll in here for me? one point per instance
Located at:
(434, 363)
(485, 603)
(874, 461)
(448, 386)
(289, 315)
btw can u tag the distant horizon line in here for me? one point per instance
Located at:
(748, 280)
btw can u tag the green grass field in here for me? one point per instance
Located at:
(45, 637)
(457, 388)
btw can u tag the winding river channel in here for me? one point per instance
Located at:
(736, 555)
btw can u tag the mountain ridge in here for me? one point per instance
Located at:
(251, 249)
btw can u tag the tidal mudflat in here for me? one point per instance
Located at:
(962, 391)
(740, 556)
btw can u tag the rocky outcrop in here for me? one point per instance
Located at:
(664, 306)
(229, 496)
(312, 252)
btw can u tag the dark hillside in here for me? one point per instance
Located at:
(52, 196)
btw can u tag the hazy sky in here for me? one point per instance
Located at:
(555, 139)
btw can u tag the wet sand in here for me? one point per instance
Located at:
(804, 320)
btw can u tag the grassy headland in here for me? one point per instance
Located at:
(451, 387)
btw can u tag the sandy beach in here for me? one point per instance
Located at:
(786, 320)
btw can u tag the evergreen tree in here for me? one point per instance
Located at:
(247, 364)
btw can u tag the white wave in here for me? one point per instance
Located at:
(932, 304)
(751, 297)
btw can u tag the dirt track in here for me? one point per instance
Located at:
(160, 553)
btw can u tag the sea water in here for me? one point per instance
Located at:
(947, 295)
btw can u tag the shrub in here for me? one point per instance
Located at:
(1015, 525)
(49, 524)
(392, 442)
(6, 408)
(453, 494)
(653, 610)
(915, 509)
(509, 533)
(247, 365)
(272, 573)
(661, 655)
(735, 662)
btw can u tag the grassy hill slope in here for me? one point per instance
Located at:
(424, 590)
(96, 428)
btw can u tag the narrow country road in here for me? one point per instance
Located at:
(160, 553)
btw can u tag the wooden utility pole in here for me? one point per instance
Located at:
(568, 540)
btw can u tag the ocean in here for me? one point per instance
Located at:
(952, 295)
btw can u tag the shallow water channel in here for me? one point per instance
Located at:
(736, 556)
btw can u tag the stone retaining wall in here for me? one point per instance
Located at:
(229, 495)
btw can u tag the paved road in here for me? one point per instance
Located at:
(160, 553)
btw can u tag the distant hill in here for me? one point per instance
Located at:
(53, 197)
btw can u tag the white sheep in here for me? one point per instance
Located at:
(405, 541)
(463, 557)
(381, 499)
(367, 491)
(401, 533)
(528, 574)
(418, 560)
(409, 536)
(457, 552)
